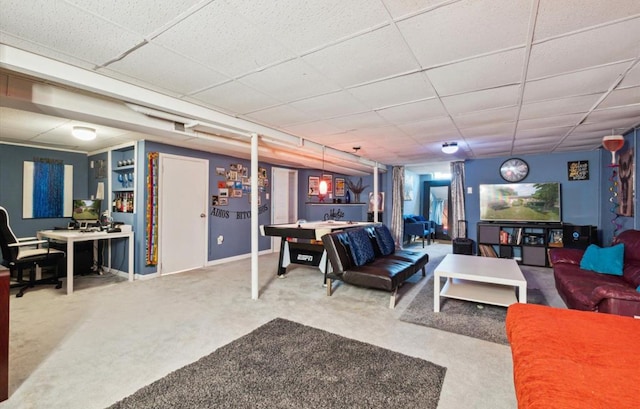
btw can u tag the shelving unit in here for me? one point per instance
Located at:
(123, 179)
(527, 243)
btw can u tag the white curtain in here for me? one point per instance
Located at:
(457, 197)
(397, 205)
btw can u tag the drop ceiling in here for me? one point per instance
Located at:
(396, 78)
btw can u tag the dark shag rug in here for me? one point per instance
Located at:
(482, 321)
(283, 364)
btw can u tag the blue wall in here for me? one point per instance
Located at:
(236, 232)
(12, 158)
(580, 204)
(352, 212)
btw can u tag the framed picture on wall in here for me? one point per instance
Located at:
(314, 185)
(339, 187)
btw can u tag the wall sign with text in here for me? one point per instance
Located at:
(578, 170)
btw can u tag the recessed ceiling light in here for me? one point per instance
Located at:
(84, 133)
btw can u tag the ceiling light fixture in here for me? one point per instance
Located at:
(323, 183)
(84, 133)
(613, 143)
(450, 147)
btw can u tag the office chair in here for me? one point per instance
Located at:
(18, 254)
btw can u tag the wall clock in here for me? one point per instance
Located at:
(514, 170)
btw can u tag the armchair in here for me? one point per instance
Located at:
(418, 226)
(18, 254)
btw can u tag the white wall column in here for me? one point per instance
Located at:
(254, 217)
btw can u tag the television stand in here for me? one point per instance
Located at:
(526, 242)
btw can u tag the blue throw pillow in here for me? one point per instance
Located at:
(605, 260)
(385, 240)
(361, 248)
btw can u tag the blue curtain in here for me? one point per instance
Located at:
(48, 190)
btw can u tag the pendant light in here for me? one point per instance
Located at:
(323, 183)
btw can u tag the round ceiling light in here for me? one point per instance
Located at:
(84, 133)
(450, 147)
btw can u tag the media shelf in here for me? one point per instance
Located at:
(527, 243)
(123, 180)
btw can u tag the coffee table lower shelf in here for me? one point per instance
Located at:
(485, 293)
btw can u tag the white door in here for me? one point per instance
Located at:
(284, 199)
(183, 217)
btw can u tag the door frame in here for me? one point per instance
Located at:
(426, 204)
(162, 216)
(275, 247)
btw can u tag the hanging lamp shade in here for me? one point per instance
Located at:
(323, 187)
(613, 143)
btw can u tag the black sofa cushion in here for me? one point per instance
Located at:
(360, 245)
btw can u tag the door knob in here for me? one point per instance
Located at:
(202, 215)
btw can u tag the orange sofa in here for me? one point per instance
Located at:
(573, 359)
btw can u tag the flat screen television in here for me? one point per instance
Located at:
(86, 211)
(521, 202)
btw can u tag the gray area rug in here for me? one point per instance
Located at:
(283, 364)
(468, 318)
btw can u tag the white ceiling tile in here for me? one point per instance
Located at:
(71, 32)
(290, 81)
(632, 79)
(45, 51)
(359, 121)
(557, 17)
(331, 105)
(438, 135)
(625, 114)
(608, 126)
(429, 126)
(151, 64)
(313, 130)
(317, 23)
(235, 97)
(394, 91)
(534, 134)
(607, 44)
(551, 121)
(141, 16)
(576, 83)
(413, 112)
(280, 116)
(385, 134)
(487, 117)
(620, 97)
(559, 106)
(399, 8)
(538, 141)
(224, 41)
(481, 100)
(466, 28)
(498, 130)
(489, 71)
(371, 56)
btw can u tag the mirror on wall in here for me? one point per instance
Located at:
(436, 203)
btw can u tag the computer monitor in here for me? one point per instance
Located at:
(86, 212)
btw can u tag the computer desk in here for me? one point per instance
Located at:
(74, 236)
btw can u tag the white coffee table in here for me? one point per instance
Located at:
(481, 279)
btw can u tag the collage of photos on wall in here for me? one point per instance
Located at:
(237, 183)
